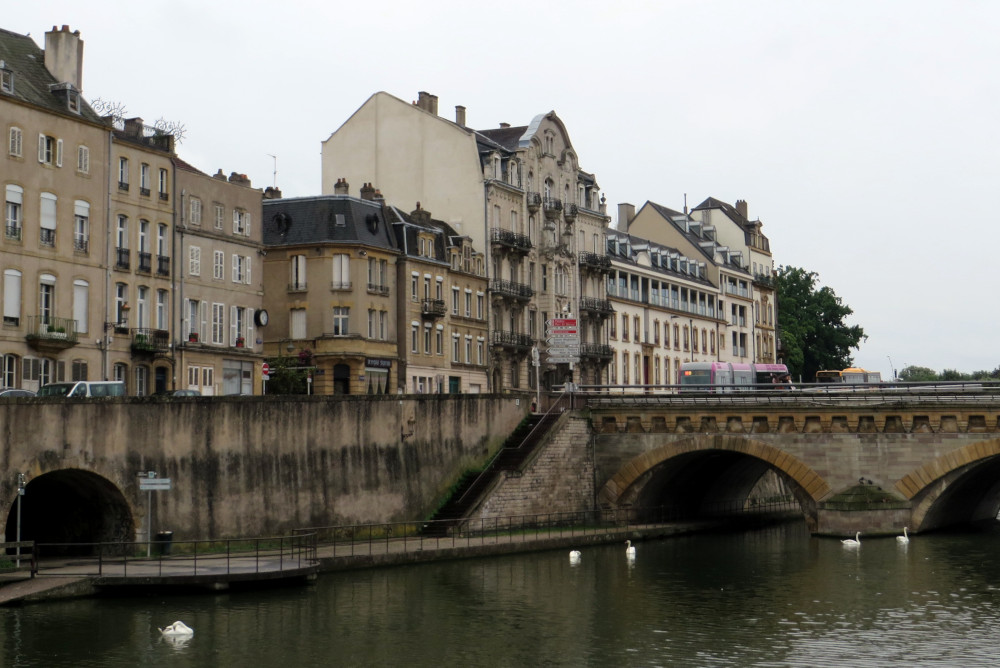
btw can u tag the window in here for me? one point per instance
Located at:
(297, 279)
(427, 339)
(468, 303)
(454, 300)
(195, 216)
(16, 144)
(123, 173)
(624, 327)
(297, 323)
(341, 320)
(163, 185)
(83, 159)
(241, 222)
(439, 340)
(121, 304)
(50, 150)
(141, 380)
(480, 350)
(144, 179)
(47, 220)
(11, 297)
(240, 328)
(81, 305)
(468, 349)
(46, 298)
(341, 271)
(241, 269)
(383, 318)
(6, 85)
(142, 304)
(218, 265)
(455, 348)
(194, 261)
(372, 323)
(414, 337)
(161, 310)
(220, 215)
(81, 226)
(13, 209)
(480, 305)
(635, 328)
(9, 371)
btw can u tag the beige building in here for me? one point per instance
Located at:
(219, 284)
(543, 224)
(55, 187)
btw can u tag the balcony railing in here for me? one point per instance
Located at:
(552, 207)
(47, 237)
(569, 212)
(123, 258)
(123, 185)
(297, 286)
(534, 201)
(512, 340)
(376, 289)
(600, 351)
(511, 289)
(601, 306)
(146, 340)
(144, 191)
(81, 244)
(595, 261)
(47, 329)
(145, 262)
(340, 285)
(432, 308)
(12, 232)
(510, 239)
(163, 265)
(164, 196)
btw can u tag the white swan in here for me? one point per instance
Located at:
(853, 542)
(904, 538)
(574, 556)
(629, 550)
(178, 628)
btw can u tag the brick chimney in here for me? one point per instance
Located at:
(741, 208)
(427, 102)
(272, 193)
(368, 192)
(64, 56)
(341, 187)
(419, 215)
(460, 115)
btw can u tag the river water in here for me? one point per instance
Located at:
(768, 597)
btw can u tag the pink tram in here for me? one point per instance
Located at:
(732, 377)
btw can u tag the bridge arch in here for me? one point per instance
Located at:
(72, 506)
(958, 487)
(738, 460)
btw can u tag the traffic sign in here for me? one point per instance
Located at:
(265, 370)
(564, 360)
(555, 338)
(154, 484)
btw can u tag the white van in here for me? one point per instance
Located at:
(83, 388)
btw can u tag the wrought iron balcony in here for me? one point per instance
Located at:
(552, 207)
(512, 340)
(520, 242)
(164, 196)
(569, 212)
(595, 261)
(534, 201)
(376, 289)
(598, 351)
(162, 265)
(145, 262)
(432, 308)
(297, 286)
(123, 258)
(81, 244)
(511, 290)
(48, 333)
(598, 306)
(13, 232)
(144, 191)
(123, 185)
(149, 341)
(47, 237)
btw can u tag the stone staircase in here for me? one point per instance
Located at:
(511, 456)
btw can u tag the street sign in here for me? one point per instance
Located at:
(265, 370)
(154, 484)
(564, 360)
(557, 339)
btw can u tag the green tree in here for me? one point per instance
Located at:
(285, 376)
(811, 320)
(918, 374)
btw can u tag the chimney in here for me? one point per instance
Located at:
(219, 175)
(341, 188)
(626, 212)
(504, 125)
(420, 216)
(741, 208)
(272, 193)
(367, 192)
(133, 127)
(427, 102)
(241, 179)
(460, 115)
(64, 56)
(377, 196)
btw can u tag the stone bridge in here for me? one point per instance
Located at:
(239, 466)
(869, 461)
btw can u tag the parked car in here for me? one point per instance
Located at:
(178, 393)
(12, 392)
(83, 388)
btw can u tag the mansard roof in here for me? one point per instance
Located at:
(326, 219)
(32, 80)
(507, 138)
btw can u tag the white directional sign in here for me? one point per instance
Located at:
(563, 360)
(154, 484)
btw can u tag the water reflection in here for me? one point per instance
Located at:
(773, 597)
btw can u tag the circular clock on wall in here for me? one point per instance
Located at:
(261, 318)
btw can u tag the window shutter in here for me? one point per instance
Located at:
(246, 270)
(41, 148)
(236, 268)
(59, 144)
(236, 221)
(233, 330)
(246, 224)
(189, 326)
(202, 330)
(250, 335)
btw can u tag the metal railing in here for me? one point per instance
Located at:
(176, 558)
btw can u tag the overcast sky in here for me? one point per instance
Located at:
(862, 134)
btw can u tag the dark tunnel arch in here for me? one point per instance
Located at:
(72, 506)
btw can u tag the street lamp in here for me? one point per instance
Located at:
(20, 493)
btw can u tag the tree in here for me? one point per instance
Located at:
(811, 320)
(918, 374)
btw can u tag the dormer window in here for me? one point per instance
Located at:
(69, 93)
(6, 78)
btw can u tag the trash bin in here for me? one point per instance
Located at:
(163, 541)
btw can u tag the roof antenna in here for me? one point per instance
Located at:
(275, 176)
(685, 204)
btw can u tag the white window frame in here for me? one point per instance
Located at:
(194, 261)
(83, 159)
(219, 265)
(15, 145)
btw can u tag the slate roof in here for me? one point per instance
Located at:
(326, 219)
(628, 246)
(507, 138)
(729, 209)
(406, 227)
(32, 80)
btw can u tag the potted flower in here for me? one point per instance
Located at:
(240, 342)
(192, 337)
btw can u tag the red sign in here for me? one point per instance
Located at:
(265, 369)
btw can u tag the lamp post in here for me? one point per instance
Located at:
(20, 493)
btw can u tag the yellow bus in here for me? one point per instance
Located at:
(853, 376)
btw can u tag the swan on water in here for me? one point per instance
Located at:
(178, 628)
(904, 538)
(629, 550)
(852, 542)
(574, 556)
